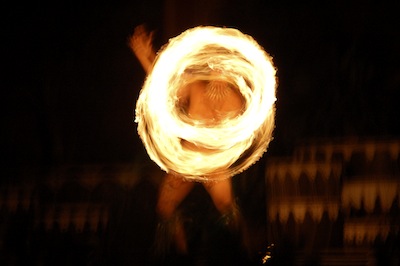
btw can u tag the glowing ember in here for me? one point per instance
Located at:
(226, 146)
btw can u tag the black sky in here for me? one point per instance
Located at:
(71, 82)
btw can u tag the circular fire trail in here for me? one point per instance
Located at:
(228, 146)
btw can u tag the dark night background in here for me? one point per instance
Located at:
(71, 82)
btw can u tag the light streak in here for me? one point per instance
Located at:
(233, 144)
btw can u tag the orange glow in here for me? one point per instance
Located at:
(233, 143)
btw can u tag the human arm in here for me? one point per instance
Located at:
(141, 45)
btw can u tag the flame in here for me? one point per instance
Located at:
(229, 146)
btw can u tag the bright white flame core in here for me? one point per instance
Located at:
(237, 143)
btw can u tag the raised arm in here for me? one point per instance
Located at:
(141, 45)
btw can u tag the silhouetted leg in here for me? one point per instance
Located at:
(170, 229)
(221, 193)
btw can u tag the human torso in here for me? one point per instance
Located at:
(209, 108)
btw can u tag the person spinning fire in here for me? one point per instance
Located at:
(206, 102)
